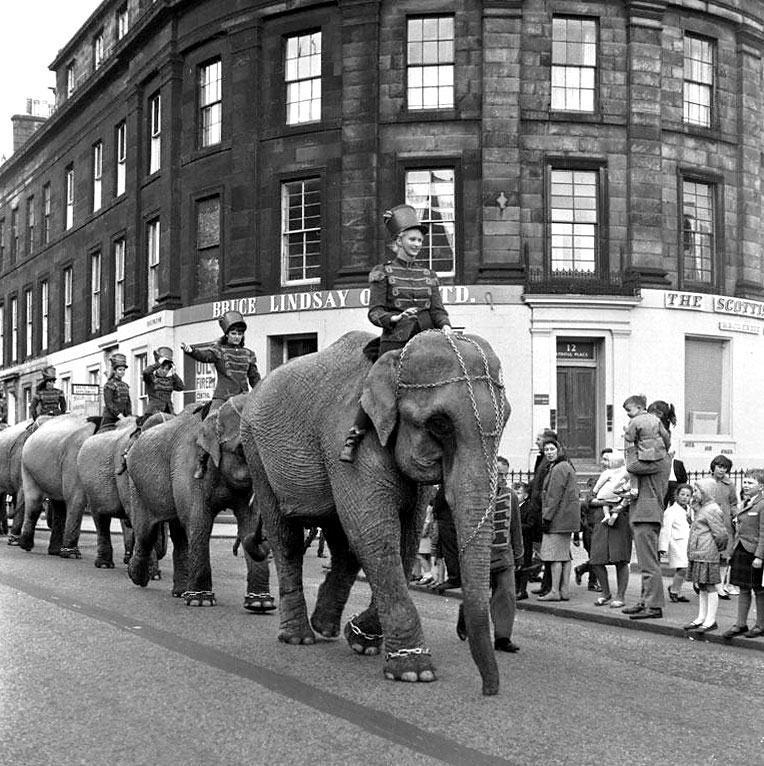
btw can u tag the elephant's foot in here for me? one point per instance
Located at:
(53, 551)
(155, 572)
(101, 563)
(13, 539)
(409, 665)
(26, 542)
(299, 634)
(126, 558)
(199, 597)
(259, 602)
(361, 641)
(325, 627)
(139, 571)
(70, 553)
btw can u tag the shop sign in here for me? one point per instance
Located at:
(717, 304)
(752, 329)
(205, 380)
(85, 399)
(541, 399)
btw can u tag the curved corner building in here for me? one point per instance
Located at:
(591, 172)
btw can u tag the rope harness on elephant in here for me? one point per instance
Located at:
(489, 439)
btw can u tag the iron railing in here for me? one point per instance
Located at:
(574, 282)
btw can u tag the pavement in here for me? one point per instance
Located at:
(581, 605)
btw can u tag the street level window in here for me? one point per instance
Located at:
(98, 49)
(210, 103)
(302, 72)
(574, 220)
(698, 80)
(28, 322)
(30, 224)
(301, 232)
(140, 362)
(122, 21)
(574, 64)
(698, 232)
(152, 258)
(14, 234)
(44, 309)
(207, 247)
(14, 329)
(121, 173)
(432, 193)
(155, 133)
(282, 348)
(430, 62)
(97, 175)
(69, 220)
(68, 295)
(707, 379)
(119, 279)
(46, 214)
(95, 292)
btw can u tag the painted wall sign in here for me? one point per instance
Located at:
(752, 329)
(717, 304)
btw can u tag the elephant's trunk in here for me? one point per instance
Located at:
(469, 508)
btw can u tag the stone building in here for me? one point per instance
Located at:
(591, 172)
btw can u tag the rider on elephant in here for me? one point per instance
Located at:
(161, 380)
(116, 394)
(236, 368)
(48, 400)
(404, 300)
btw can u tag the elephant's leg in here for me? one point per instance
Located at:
(128, 538)
(334, 591)
(287, 544)
(33, 499)
(199, 530)
(258, 598)
(379, 550)
(104, 551)
(179, 558)
(18, 518)
(75, 507)
(56, 515)
(145, 532)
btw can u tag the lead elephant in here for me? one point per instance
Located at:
(438, 409)
(107, 492)
(49, 470)
(161, 466)
(11, 443)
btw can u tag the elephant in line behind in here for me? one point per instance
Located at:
(12, 441)
(438, 409)
(161, 467)
(49, 470)
(108, 493)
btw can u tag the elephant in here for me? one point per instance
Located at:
(108, 493)
(161, 466)
(438, 408)
(49, 470)
(12, 441)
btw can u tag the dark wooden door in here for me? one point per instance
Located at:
(576, 411)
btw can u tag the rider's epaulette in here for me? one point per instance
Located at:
(377, 274)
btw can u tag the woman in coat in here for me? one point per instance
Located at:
(560, 517)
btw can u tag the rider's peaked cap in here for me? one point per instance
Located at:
(165, 352)
(230, 318)
(400, 218)
(118, 360)
(49, 373)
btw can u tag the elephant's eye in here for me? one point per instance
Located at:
(440, 426)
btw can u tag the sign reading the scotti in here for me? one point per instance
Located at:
(320, 300)
(718, 304)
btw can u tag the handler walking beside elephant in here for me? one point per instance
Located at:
(116, 394)
(236, 368)
(47, 400)
(404, 299)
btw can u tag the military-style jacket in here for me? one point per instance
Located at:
(236, 366)
(116, 400)
(47, 401)
(159, 389)
(397, 285)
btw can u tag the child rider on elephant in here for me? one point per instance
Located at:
(404, 300)
(47, 400)
(236, 367)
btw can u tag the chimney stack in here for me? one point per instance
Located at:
(24, 125)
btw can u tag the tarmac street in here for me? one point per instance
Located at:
(98, 671)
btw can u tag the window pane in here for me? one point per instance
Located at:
(706, 395)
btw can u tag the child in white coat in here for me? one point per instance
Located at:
(675, 534)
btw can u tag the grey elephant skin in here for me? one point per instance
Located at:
(11, 443)
(49, 470)
(108, 493)
(161, 466)
(438, 409)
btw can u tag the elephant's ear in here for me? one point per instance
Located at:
(378, 397)
(207, 438)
